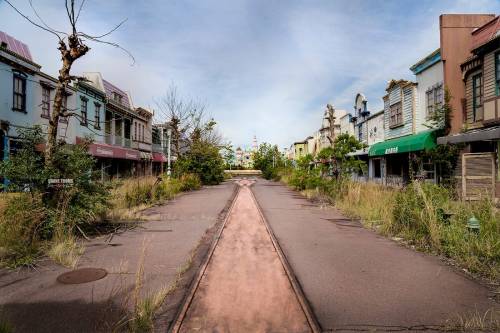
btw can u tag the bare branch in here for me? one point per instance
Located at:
(111, 31)
(108, 43)
(79, 10)
(43, 22)
(31, 21)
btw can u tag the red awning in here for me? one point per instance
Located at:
(104, 150)
(159, 157)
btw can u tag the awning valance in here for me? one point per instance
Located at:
(471, 136)
(159, 157)
(421, 141)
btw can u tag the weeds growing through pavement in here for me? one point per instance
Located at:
(131, 196)
(475, 322)
(144, 306)
(66, 251)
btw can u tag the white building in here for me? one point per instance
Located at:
(430, 91)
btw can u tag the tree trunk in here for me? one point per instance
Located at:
(68, 56)
(53, 123)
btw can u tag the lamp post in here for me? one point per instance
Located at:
(169, 170)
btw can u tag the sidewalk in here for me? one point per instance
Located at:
(33, 301)
(355, 279)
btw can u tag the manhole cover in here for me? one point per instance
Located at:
(82, 275)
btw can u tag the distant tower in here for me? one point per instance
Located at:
(255, 147)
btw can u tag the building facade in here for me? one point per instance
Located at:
(477, 173)
(121, 135)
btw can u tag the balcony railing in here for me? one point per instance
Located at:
(127, 143)
(108, 138)
(118, 140)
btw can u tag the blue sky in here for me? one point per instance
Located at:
(264, 68)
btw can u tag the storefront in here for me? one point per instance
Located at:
(398, 160)
(115, 161)
(159, 163)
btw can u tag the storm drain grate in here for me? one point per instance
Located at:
(82, 275)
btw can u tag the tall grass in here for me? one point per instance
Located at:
(130, 196)
(424, 215)
(66, 251)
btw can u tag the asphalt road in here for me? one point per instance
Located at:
(355, 279)
(33, 301)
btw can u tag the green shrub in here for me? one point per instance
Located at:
(167, 189)
(415, 212)
(204, 160)
(190, 182)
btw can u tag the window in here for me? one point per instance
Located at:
(97, 124)
(64, 109)
(497, 73)
(117, 97)
(360, 132)
(84, 103)
(434, 99)
(19, 96)
(438, 96)
(477, 98)
(45, 102)
(396, 114)
(135, 131)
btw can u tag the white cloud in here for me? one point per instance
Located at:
(264, 68)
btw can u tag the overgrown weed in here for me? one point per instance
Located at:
(66, 251)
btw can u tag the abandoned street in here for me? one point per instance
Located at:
(261, 258)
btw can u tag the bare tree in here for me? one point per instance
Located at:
(72, 46)
(187, 120)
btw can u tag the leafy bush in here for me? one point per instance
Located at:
(58, 209)
(190, 182)
(268, 159)
(204, 160)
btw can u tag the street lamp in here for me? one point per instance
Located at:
(169, 170)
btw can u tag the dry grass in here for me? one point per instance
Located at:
(146, 305)
(476, 322)
(66, 251)
(130, 197)
(371, 202)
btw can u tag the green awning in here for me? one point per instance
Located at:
(421, 141)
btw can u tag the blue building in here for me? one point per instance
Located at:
(121, 133)
(17, 90)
